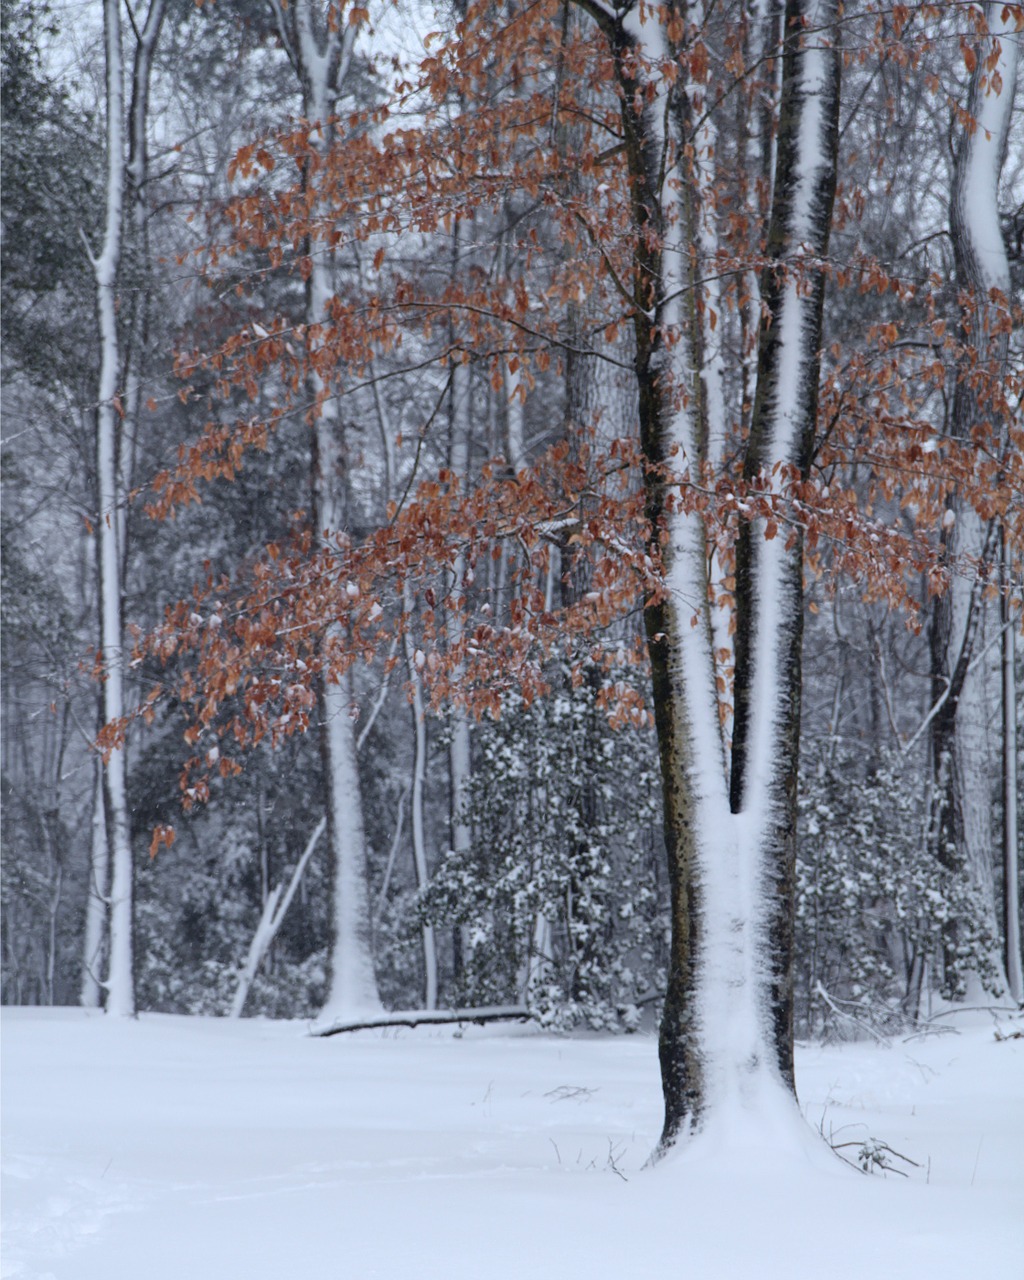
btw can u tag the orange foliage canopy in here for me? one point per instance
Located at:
(511, 124)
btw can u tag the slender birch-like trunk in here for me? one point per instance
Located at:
(459, 747)
(962, 827)
(119, 982)
(419, 776)
(1011, 799)
(319, 44)
(115, 421)
(91, 988)
(137, 176)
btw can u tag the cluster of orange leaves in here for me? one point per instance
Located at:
(244, 655)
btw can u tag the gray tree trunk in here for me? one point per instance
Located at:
(962, 827)
(320, 51)
(726, 1034)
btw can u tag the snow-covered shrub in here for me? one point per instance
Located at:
(558, 900)
(198, 902)
(878, 916)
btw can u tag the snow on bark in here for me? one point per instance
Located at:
(712, 365)
(419, 776)
(321, 54)
(726, 1036)
(707, 1007)
(515, 390)
(960, 741)
(1011, 800)
(119, 982)
(137, 176)
(770, 569)
(91, 990)
(460, 747)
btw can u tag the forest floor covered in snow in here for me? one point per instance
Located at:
(169, 1147)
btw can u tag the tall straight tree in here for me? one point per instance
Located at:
(113, 426)
(319, 39)
(962, 826)
(106, 267)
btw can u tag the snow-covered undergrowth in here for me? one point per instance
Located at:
(168, 1148)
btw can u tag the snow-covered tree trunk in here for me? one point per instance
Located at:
(712, 404)
(460, 746)
(769, 566)
(1011, 799)
(91, 989)
(319, 44)
(106, 267)
(962, 827)
(114, 425)
(414, 660)
(726, 1032)
(137, 176)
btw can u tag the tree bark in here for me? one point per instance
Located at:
(460, 745)
(962, 827)
(119, 982)
(769, 570)
(1011, 855)
(726, 1031)
(321, 52)
(419, 776)
(91, 989)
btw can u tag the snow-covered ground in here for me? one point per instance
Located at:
(197, 1149)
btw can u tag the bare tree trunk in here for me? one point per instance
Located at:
(419, 773)
(727, 1031)
(320, 50)
(106, 267)
(1011, 855)
(91, 991)
(137, 177)
(460, 747)
(962, 828)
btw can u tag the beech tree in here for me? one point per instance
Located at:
(705, 519)
(963, 821)
(319, 40)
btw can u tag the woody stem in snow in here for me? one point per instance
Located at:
(769, 564)
(320, 50)
(726, 1031)
(106, 267)
(961, 825)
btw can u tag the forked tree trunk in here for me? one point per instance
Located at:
(769, 570)
(275, 907)
(726, 1032)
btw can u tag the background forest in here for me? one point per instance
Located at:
(178, 426)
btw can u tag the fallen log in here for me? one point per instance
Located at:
(418, 1017)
